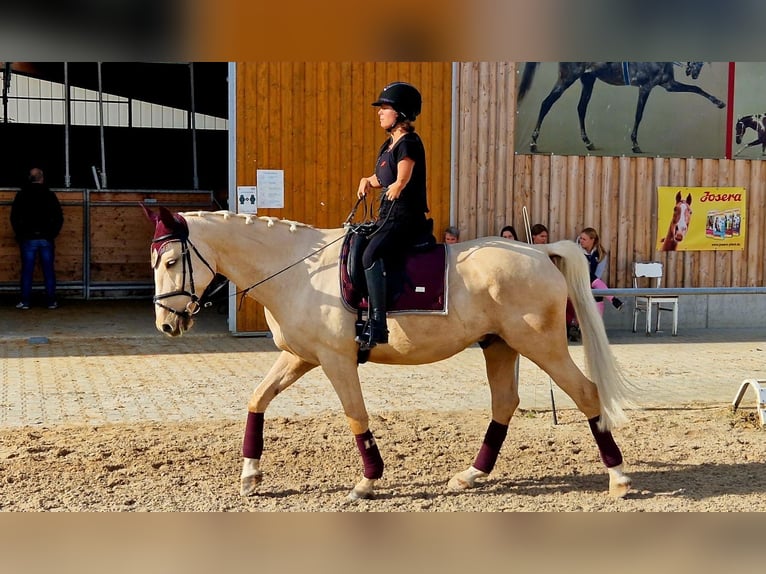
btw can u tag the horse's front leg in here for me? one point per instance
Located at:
(643, 95)
(582, 107)
(546, 105)
(344, 376)
(502, 363)
(284, 372)
(675, 86)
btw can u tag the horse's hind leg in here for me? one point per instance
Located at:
(504, 388)
(584, 393)
(284, 372)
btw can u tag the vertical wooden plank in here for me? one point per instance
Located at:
(722, 274)
(482, 152)
(756, 213)
(676, 177)
(641, 239)
(522, 181)
(505, 199)
(689, 259)
(539, 192)
(591, 191)
(608, 192)
(558, 195)
(739, 259)
(624, 209)
(571, 198)
(705, 268)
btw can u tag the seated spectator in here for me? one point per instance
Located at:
(451, 234)
(539, 233)
(509, 232)
(597, 257)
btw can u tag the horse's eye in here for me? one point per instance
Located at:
(171, 262)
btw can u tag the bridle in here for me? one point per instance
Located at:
(206, 300)
(693, 69)
(195, 303)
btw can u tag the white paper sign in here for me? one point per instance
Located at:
(271, 188)
(247, 199)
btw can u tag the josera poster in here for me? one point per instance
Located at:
(701, 218)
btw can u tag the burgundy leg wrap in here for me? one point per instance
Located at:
(252, 445)
(490, 448)
(373, 462)
(610, 452)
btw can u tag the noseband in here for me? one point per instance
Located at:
(195, 303)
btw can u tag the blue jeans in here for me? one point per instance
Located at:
(30, 248)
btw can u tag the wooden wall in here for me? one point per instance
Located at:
(315, 122)
(105, 238)
(615, 195)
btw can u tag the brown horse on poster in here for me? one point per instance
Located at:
(679, 223)
(507, 296)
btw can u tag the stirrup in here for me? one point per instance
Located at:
(367, 341)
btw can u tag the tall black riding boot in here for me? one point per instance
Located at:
(375, 331)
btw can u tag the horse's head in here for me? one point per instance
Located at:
(682, 215)
(181, 273)
(740, 130)
(693, 69)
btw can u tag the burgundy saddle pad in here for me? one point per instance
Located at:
(423, 286)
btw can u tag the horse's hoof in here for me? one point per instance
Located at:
(533, 147)
(721, 104)
(356, 495)
(363, 490)
(457, 483)
(590, 146)
(249, 484)
(466, 479)
(637, 149)
(618, 489)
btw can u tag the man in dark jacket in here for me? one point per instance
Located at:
(36, 218)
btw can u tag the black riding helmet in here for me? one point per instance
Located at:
(403, 97)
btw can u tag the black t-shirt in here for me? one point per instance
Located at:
(413, 199)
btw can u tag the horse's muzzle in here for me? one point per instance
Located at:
(175, 325)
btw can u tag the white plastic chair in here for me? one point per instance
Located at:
(649, 274)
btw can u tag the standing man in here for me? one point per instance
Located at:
(36, 218)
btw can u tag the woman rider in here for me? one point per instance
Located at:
(400, 173)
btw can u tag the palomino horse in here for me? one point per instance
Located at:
(755, 122)
(645, 75)
(507, 296)
(679, 223)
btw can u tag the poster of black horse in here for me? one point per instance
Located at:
(749, 114)
(673, 109)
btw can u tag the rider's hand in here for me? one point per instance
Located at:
(364, 187)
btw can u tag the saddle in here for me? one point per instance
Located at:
(420, 286)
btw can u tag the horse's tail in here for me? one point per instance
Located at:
(526, 78)
(614, 390)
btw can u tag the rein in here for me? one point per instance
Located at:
(347, 223)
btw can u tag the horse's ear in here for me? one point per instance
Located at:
(689, 199)
(150, 215)
(678, 197)
(167, 218)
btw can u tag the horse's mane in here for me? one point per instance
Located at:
(248, 218)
